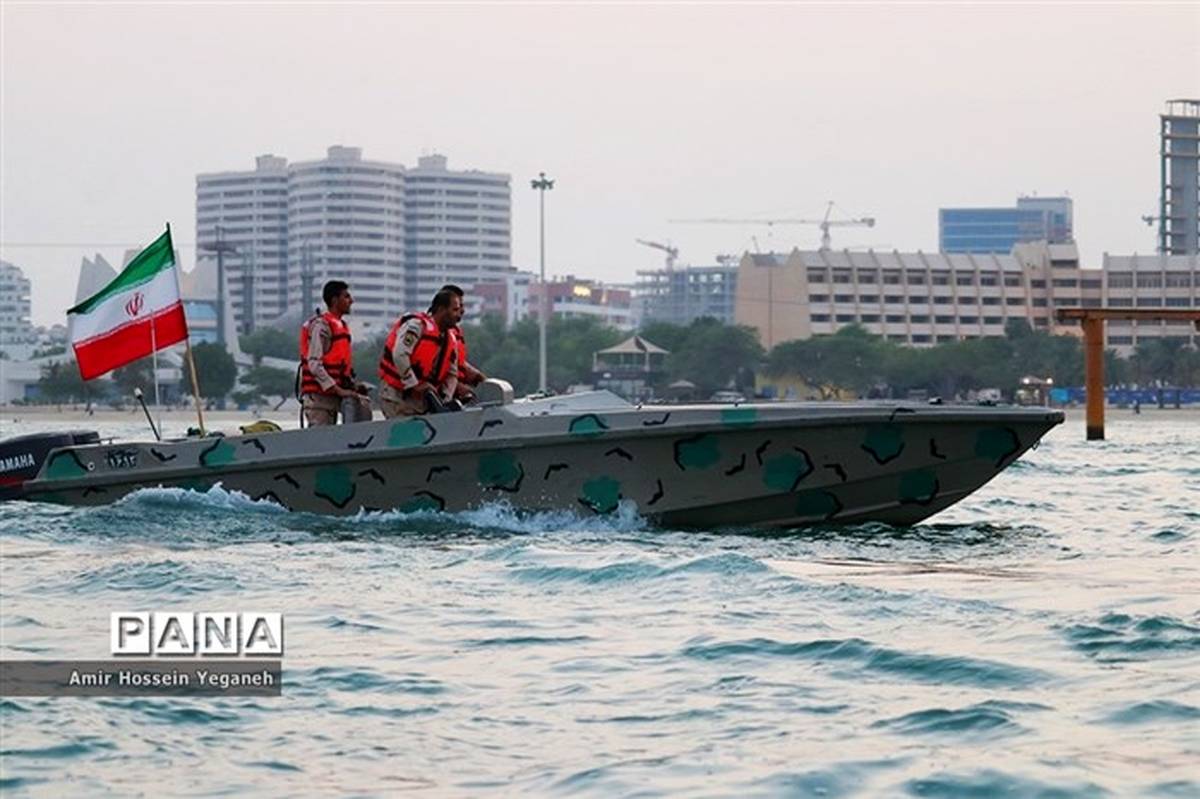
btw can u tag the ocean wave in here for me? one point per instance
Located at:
(13, 783)
(1119, 637)
(526, 640)
(672, 717)
(995, 783)
(173, 712)
(1175, 789)
(1169, 536)
(503, 517)
(725, 565)
(1154, 712)
(336, 678)
(180, 579)
(986, 719)
(63, 751)
(19, 621)
(338, 623)
(215, 498)
(387, 712)
(941, 669)
(273, 765)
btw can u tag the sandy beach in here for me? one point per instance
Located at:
(285, 416)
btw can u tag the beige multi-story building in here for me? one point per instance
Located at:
(1150, 281)
(924, 299)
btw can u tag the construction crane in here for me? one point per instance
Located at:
(672, 252)
(824, 224)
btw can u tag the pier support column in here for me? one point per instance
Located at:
(1093, 363)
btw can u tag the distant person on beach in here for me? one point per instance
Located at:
(468, 375)
(419, 362)
(326, 367)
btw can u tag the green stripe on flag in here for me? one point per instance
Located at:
(149, 262)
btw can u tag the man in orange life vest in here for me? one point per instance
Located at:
(326, 367)
(420, 358)
(468, 375)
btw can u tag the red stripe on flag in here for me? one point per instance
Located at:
(101, 354)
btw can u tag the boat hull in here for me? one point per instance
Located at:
(692, 466)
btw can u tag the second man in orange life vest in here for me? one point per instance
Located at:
(468, 375)
(326, 367)
(420, 358)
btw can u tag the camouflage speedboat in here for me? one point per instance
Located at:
(768, 464)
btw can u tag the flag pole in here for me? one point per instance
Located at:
(195, 385)
(187, 343)
(154, 367)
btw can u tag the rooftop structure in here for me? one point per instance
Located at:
(997, 230)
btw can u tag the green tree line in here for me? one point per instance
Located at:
(707, 353)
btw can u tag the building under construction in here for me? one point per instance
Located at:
(1179, 197)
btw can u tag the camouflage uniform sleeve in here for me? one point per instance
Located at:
(319, 337)
(402, 350)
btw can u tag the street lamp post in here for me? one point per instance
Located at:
(542, 184)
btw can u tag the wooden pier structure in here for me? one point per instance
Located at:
(1092, 320)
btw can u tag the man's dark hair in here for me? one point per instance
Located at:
(333, 289)
(442, 299)
(452, 288)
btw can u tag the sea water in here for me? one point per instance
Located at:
(1041, 638)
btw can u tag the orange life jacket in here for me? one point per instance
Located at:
(468, 375)
(431, 357)
(337, 359)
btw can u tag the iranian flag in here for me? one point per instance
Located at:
(140, 312)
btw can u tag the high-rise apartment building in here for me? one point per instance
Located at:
(345, 221)
(395, 234)
(246, 213)
(16, 330)
(1179, 196)
(996, 230)
(923, 299)
(459, 227)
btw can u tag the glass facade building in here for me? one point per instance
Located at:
(996, 230)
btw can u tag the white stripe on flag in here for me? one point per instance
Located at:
(135, 304)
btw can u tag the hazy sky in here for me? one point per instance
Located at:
(642, 113)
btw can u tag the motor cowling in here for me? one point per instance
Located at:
(21, 458)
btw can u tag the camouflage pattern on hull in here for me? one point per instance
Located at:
(774, 464)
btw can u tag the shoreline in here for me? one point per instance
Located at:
(290, 414)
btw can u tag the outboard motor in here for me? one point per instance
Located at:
(21, 458)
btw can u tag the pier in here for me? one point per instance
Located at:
(1092, 320)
